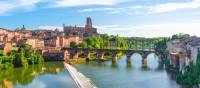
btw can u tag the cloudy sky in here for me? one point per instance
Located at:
(142, 18)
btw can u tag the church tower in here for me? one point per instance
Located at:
(88, 23)
(23, 28)
(89, 30)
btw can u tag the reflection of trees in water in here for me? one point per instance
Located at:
(129, 66)
(160, 67)
(24, 76)
(115, 65)
(96, 64)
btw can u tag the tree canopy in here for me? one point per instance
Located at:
(23, 57)
(180, 36)
(103, 41)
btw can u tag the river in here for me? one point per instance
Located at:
(121, 75)
(104, 75)
(49, 75)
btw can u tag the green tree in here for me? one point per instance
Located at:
(24, 61)
(180, 36)
(83, 44)
(190, 77)
(1, 52)
(73, 45)
(104, 40)
(21, 58)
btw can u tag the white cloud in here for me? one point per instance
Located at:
(8, 6)
(149, 9)
(29, 2)
(122, 30)
(151, 30)
(11, 5)
(169, 7)
(196, 0)
(124, 10)
(72, 3)
(196, 13)
(96, 9)
(51, 27)
(5, 8)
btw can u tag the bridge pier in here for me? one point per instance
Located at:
(128, 55)
(114, 57)
(100, 55)
(71, 54)
(74, 54)
(144, 59)
(128, 60)
(87, 52)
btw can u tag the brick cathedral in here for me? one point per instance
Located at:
(86, 31)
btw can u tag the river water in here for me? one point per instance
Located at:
(121, 75)
(49, 75)
(104, 75)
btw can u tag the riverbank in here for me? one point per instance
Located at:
(80, 80)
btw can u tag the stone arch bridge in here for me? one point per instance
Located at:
(73, 53)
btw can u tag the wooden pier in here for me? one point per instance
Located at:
(80, 80)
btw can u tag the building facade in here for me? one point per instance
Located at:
(86, 31)
(183, 52)
(35, 42)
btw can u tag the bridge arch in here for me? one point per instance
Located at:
(135, 59)
(75, 52)
(145, 56)
(137, 53)
(152, 60)
(142, 54)
(129, 55)
(154, 54)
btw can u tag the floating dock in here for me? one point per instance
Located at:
(80, 80)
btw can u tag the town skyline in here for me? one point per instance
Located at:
(127, 18)
(94, 43)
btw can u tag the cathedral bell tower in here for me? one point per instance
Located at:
(89, 30)
(88, 23)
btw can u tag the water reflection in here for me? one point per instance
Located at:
(136, 60)
(123, 75)
(152, 61)
(129, 66)
(22, 77)
(115, 65)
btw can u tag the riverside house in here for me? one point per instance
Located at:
(183, 52)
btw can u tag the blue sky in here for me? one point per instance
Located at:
(142, 18)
